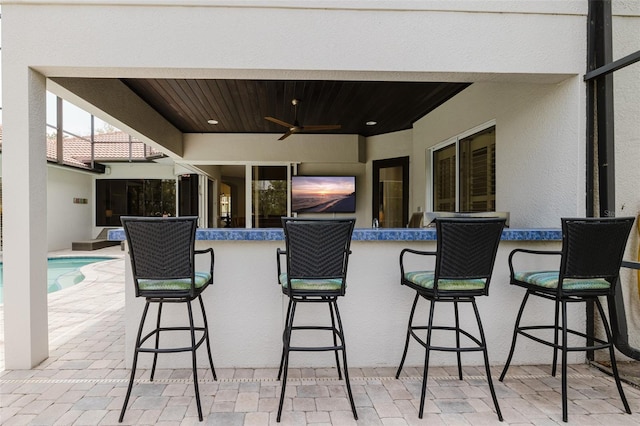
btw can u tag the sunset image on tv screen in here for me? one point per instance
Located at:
(323, 194)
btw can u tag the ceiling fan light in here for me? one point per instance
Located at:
(371, 123)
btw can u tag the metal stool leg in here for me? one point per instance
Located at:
(564, 360)
(135, 362)
(155, 354)
(425, 371)
(486, 360)
(614, 365)
(286, 321)
(406, 343)
(285, 354)
(194, 360)
(555, 340)
(335, 340)
(458, 355)
(206, 330)
(344, 359)
(515, 335)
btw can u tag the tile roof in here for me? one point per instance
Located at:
(107, 147)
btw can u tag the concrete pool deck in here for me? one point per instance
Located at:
(84, 380)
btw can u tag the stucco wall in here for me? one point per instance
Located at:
(66, 220)
(262, 38)
(539, 146)
(224, 148)
(63, 185)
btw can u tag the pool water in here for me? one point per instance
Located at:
(62, 272)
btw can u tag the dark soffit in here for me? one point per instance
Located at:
(240, 106)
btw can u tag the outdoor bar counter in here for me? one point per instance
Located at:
(246, 308)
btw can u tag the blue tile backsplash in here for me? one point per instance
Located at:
(359, 234)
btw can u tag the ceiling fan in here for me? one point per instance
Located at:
(296, 127)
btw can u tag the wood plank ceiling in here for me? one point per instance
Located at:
(240, 106)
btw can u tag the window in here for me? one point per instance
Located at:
(136, 197)
(464, 172)
(75, 138)
(444, 179)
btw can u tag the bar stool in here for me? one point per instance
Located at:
(316, 256)
(590, 260)
(162, 252)
(464, 259)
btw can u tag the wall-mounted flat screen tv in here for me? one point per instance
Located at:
(323, 194)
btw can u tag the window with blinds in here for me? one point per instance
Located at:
(477, 172)
(464, 173)
(444, 179)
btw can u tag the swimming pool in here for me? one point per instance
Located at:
(62, 272)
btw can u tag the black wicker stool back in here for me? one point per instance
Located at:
(466, 249)
(593, 248)
(590, 261)
(317, 249)
(161, 249)
(162, 253)
(464, 260)
(317, 253)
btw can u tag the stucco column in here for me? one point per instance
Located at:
(24, 184)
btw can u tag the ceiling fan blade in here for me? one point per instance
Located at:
(322, 127)
(280, 122)
(286, 135)
(296, 127)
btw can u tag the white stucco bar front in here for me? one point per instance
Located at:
(246, 308)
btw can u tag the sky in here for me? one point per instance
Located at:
(75, 120)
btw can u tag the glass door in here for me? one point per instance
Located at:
(391, 192)
(269, 192)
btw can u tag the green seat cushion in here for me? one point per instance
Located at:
(549, 279)
(201, 278)
(329, 284)
(426, 278)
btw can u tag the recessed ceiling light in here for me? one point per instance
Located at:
(371, 123)
(212, 121)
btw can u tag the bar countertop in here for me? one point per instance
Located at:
(359, 234)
